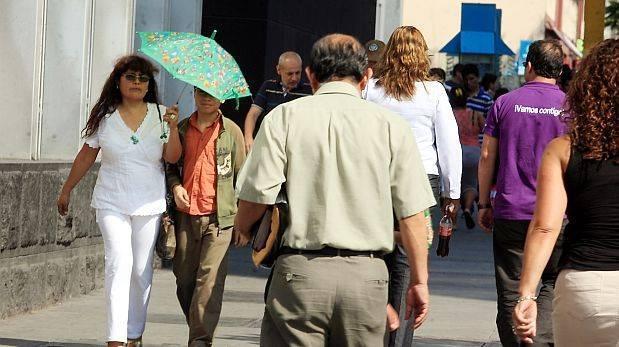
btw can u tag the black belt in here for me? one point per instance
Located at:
(332, 252)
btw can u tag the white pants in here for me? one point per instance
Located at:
(129, 243)
(586, 309)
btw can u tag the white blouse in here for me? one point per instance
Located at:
(131, 179)
(430, 116)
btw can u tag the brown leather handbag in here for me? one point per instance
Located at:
(165, 245)
(268, 232)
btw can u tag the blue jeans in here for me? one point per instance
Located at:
(399, 277)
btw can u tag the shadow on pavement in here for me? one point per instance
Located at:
(462, 285)
(30, 343)
(226, 322)
(253, 339)
(428, 342)
(240, 264)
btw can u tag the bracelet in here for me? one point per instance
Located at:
(525, 298)
(483, 206)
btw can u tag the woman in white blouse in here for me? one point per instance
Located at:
(135, 135)
(402, 84)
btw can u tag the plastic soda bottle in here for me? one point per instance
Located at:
(444, 233)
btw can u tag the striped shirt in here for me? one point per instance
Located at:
(482, 102)
(271, 94)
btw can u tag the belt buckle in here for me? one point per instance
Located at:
(371, 255)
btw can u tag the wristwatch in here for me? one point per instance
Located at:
(483, 206)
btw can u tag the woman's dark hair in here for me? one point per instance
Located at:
(458, 68)
(110, 96)
(457, 97)
(593, 103)
(470, 69)
(565, 78)
(338, 56)
(438, 72)
(487, 80)
(546, 58)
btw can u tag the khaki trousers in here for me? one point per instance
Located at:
(586, 309)
(326, 301)
(200, 266)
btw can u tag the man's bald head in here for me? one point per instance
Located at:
(289, 67)
(289, 56)
(338, 56)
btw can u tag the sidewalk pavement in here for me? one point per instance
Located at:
(462, 310)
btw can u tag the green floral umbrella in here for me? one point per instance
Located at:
(197, 60)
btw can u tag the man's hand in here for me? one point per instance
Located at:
(417, 303)
(393, 321)
(485, 174)
(250, 125)
(524, 320)
(485, 219)
(240, 238)
(181, 198)
(247, 214)
(454, 211)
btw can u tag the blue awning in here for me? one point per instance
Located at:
(480, 32)
(477, 42)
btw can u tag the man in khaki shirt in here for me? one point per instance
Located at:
(347, 164)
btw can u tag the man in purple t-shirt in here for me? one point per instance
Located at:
(518, 128)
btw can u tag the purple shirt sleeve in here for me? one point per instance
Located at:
(492, 121)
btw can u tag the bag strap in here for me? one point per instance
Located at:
(159, 112)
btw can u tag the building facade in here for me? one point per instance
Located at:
(56, 57)
(523, 20)
(257, 32)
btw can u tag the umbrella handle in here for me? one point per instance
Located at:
(181, 94)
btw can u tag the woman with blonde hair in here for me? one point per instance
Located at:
(579, 176)
(403, 85)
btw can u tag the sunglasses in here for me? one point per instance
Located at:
(524, 63)
(131, 77)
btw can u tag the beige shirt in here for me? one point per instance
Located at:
(347, 164)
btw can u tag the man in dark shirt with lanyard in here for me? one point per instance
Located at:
(274, 92)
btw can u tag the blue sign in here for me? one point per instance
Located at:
(522, 56)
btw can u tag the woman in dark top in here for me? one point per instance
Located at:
(579, 175)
